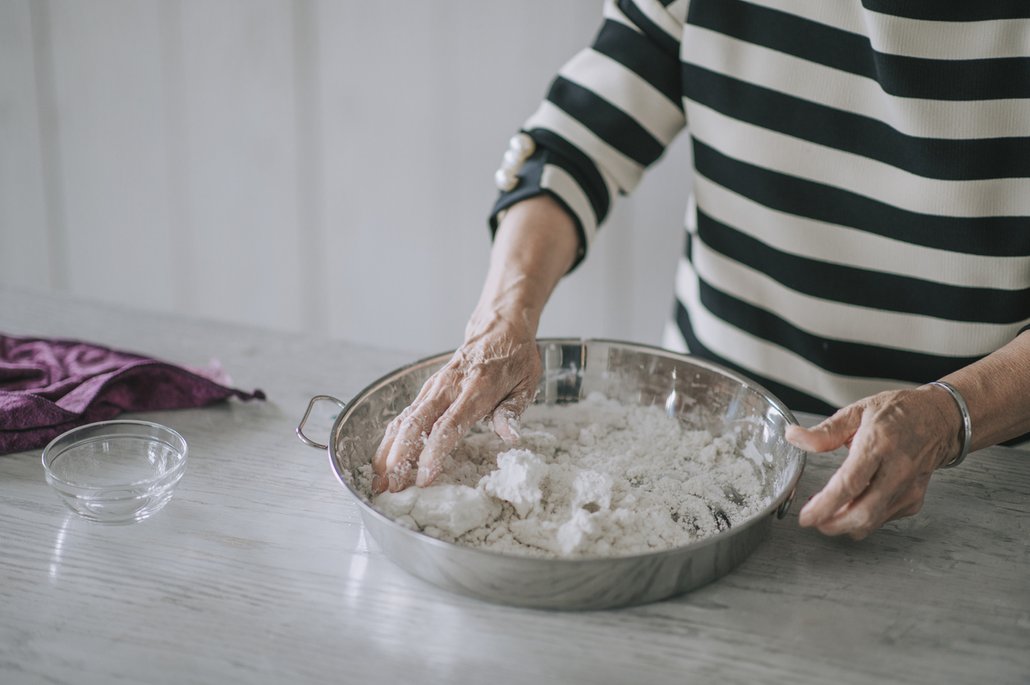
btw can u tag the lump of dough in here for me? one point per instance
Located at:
(396, 504)
(452, 510)
(516, 480)
(592, 490)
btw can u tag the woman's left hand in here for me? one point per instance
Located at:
(895, 441)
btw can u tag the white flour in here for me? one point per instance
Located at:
(596, 478)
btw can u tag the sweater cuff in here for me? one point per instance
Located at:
(548, 172)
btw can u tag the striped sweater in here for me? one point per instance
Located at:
(860, 213)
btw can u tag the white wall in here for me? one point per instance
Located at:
(314, 165)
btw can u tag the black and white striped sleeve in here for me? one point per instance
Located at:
(609, 114)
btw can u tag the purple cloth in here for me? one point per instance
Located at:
(50, 386)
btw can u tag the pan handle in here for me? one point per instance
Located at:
(307, 412)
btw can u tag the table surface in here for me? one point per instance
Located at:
(259, 569)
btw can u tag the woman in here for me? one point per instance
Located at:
(858, 235)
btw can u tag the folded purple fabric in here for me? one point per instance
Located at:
(49, 386)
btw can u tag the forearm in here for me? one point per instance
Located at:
(997, 390)
(494, 374)
(534, 246)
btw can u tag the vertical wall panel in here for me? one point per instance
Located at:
(24, 245)
(110, 124)
(310, 183)
(239, 151)
(388, 159)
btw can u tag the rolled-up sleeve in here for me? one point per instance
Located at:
(609, 114)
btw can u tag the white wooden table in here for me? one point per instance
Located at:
(259, 570)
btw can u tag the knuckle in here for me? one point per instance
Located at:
(476, 376)
(851, 484)
(868, 523)
(915, 507)
(888, 418)
(459, 360)
(917, 492)
(865, 521)
(445, 425)
(841, 414)
(914, 504)
(399, 419)
(407, 423)
(430, 468)
(862, 532)
(447, 428)
(852, 413)
(518, 401)
(886, 398)
(412, 424)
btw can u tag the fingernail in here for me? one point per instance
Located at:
(379, 484)
(423, 477)
(513, 429)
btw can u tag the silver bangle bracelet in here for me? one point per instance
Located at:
(967, 423)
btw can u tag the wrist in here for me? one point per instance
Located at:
(512, 318)
(961, 433)
(513, 295)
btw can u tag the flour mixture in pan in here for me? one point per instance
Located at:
(591, 479)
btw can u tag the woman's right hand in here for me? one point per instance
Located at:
(493, 375)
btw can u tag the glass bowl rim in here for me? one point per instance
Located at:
(182, 449)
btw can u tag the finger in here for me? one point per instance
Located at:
(830, 434)
(380, 484)
(911, 500)
(871, 512)
(402, 476)
(379, 460)
(450, 428)
(850, 480)
(505, 417)
(505, 423)
(410, 440)
(386, 444)
(894, 491)
(863, 515)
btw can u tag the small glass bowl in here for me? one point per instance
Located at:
(116, 471)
